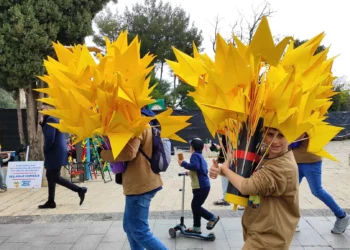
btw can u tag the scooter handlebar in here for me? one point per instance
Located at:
(182, 174)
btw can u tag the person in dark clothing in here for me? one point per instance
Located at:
(198, 171)
(55, 153)
(4, 157)
(224, 181)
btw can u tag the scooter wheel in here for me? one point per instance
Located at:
(211, 237)
(172, 233)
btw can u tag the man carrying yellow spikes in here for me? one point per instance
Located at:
(140, 185)
(271, 219)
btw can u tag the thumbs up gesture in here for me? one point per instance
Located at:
(214, 170)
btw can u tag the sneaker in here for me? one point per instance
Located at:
(221, 202)
(225, 203)
(47, 205)
(194, 230)
(297, 229)
(211, 224)
(240, 207)
(81, 194)
(341, 225)
(3, 190)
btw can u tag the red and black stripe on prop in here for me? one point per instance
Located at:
(246, 159)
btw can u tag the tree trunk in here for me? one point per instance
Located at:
(161, 71)
(19, 117)
(34, 129)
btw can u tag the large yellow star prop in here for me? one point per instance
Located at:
(289, 88)
(104, 97)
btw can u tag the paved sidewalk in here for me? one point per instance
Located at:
(109, 198)
(97, 224)
(109, 235)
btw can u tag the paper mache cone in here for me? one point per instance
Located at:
(245, 164)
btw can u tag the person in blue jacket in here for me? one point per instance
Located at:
(4, 157)
(198, 171)
(55, 153)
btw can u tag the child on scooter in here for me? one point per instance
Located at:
(198, 171)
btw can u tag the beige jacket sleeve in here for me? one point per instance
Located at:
(270, 180)
(127, 154)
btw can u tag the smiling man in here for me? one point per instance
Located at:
(270, 222)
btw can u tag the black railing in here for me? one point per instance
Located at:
(9, 138)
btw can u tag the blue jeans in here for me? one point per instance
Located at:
(135, 223)
(313, 174)
(2, 179)
(224, 184)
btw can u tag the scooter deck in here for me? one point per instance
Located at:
(182, 229)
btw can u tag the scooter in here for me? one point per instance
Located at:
(181, 227)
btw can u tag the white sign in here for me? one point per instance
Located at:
(24, 174)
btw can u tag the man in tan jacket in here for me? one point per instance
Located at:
(140, 185)
(271, 223)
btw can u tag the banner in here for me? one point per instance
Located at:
(24, 174)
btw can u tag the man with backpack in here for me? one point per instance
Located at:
(140, 182)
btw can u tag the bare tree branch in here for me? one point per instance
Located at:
(243, 27)
(233, 28)
(258, 13)
(216, 30)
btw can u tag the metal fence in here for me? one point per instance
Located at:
(9, 138)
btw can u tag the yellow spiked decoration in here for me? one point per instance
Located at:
(284, 87)
(104, 98)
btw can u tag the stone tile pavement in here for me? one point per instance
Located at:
(104, 235)
(109, 198)
(97, 224)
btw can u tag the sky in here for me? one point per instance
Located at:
(302, 19)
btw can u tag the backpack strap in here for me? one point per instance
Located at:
(144, 154)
